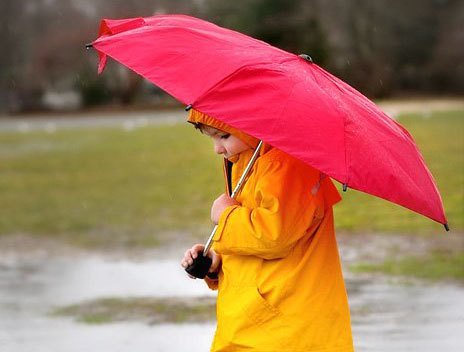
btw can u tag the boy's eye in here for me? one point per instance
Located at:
(225, 136)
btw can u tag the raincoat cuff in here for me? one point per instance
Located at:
(222, 222)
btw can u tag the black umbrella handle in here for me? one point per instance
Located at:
(200, 267)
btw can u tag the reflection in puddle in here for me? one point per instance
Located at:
(385, 316)
(412, 317)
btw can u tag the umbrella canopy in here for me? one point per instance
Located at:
(282, 98)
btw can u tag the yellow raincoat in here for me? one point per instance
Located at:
(280, 286)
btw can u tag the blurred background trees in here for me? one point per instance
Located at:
(383, 48)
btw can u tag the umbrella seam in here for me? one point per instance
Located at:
(207, 91)
(342, 89)
(347, 177)
(217, 84)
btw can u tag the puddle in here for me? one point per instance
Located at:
(31, 287)
(413, 317)
(44, 281)
(45, 335)
(386, 316)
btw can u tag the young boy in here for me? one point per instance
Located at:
(280, 285)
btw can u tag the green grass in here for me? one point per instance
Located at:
(434, 266)
(99, 187)
(109, 187)
(151, 310)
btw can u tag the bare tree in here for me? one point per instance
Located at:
(381, 47)
(11, 33)
(446, 64)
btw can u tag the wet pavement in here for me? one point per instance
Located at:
(389, 316)
(386, 315)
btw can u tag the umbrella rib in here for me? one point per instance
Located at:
(231, 74)
(218, 83)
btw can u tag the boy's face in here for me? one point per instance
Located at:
(225, 143)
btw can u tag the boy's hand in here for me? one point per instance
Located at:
(219, 205)
(191, 253)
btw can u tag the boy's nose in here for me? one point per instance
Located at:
(218, 149)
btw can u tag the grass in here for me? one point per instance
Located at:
(110, 187)
(96, 187)
(434, 266)
(150, 310)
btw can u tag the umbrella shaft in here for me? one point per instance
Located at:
(234, 193)
(210, 241)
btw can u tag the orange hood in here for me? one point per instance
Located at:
(196, 117)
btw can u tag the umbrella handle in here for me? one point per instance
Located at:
(200, 267)
(202, 263)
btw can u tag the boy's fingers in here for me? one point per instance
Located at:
(214, 264)
(186, 259)
(184, 263)
(190, 255)
(216, 261)
(197, 249)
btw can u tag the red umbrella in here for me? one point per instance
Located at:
(279, 97)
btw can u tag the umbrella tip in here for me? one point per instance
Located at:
(188, 107)
(306, 57)
(446, 226)
(345, 187)
(89, 46)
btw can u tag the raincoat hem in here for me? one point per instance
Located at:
(348, 348)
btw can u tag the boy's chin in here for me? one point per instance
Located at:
(232, 158)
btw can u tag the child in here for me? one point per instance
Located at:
(280, 285)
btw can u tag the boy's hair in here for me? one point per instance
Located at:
(196, 117)
(201, 127)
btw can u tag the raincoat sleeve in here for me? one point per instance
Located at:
(282, 209)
